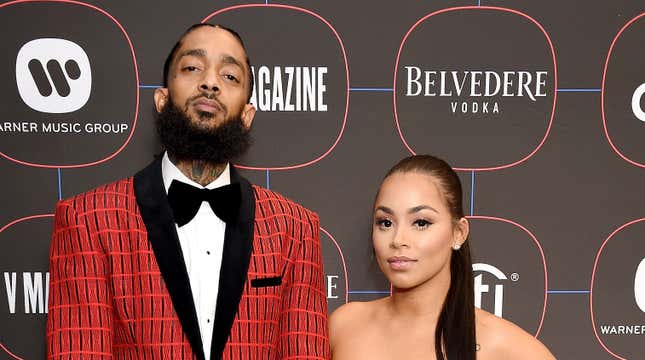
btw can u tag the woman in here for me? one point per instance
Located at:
(419, 236)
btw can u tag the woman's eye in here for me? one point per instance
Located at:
(384, 223)
(190, 68)
(421, 223)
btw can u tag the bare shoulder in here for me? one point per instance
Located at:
(346, 315)
(500, 339)
(347, 320)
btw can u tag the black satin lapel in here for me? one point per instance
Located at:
(238, 245)
(162, 234)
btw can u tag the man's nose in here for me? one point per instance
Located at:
(210, 82)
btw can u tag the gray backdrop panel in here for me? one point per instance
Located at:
(541, 229)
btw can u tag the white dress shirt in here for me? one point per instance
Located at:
(202, 244)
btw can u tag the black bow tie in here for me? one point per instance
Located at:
(185, 201)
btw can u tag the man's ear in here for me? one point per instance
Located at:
(160, 98)
(248, 113)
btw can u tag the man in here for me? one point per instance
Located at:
(157, 267)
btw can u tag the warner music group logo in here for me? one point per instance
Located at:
(639, 298)
(53, 75)
(617, 300)
(636, 102)
(67, 85)
(639, 285)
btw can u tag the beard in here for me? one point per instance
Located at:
(186, 142)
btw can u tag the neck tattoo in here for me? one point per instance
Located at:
(199, 171)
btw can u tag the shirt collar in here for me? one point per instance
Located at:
(170, 172)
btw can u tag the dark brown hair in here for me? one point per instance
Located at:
(173, 53)
(455, 332)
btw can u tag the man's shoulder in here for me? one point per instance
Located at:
(102, 195)
(276, 203)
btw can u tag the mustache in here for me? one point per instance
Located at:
(207, 95)
(204, 94)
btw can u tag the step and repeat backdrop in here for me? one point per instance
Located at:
(539, 106)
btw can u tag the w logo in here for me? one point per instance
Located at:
(639, 285)
(53, 75)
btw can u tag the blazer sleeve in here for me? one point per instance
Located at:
(79, 322)
(303, 323)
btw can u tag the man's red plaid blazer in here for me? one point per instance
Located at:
(119, 287)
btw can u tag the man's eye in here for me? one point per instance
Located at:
(190, 68)
(231, 77)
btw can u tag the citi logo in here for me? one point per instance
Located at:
(639, 285)
(53, 75)
(497, 290)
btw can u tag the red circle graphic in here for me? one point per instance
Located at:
(342, 259)
(593, 277)
(539, 247)
(5, 227)
(555, 71)
(136, 74)
(342, 48)
(602, 94)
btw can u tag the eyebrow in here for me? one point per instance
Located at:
(385, 209)
(421, 207)
(411, 211)
(193, 52)
(226, 59)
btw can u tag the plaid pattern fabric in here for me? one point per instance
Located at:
(108, 298)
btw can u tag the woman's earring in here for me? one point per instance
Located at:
(456, 246)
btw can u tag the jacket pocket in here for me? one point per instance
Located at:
(267, 281)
